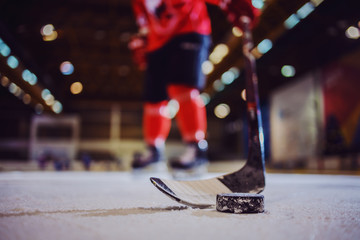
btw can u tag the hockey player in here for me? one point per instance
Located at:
(172, 43)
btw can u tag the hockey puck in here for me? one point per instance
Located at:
(240, 203)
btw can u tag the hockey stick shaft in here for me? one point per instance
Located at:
(251, 178)
(256, 156)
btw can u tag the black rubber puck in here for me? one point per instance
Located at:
(240, 203)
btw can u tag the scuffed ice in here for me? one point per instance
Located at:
(119, 205)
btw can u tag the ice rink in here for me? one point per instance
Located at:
(119, 205)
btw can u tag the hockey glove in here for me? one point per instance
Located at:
(234, 9)
(137, 46)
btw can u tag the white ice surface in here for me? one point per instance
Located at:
(118, 205)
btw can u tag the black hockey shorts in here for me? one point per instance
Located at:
(178, 62)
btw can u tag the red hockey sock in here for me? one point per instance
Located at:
(191, 117)
(156, 123)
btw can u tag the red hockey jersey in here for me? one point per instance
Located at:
(163, 19)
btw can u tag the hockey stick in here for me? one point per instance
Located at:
(248, 179)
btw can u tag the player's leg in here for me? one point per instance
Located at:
(190, 51)
(191, 119)
(156, 121)
(156, 127)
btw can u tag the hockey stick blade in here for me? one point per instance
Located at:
(202, 193)
(248, 179)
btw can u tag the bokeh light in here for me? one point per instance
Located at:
(218, 85)
(39, 108)
(4, 49)
(243, 95)
(219, 52)
(291, 21)
(205, 97)
(288, 71)
(45, 93)
(51, 37)
(173, 108)
(258, 3)
(13, 62)
(264, 46)
(47, 30)
(305, 10)
(227, 77)
(57, 107)
(66, 68)
(222, 110)
(237, 32)
(76, 88)
(352, 32)
(29, 77)
(26, 98)
(5, 81)
(207, 67)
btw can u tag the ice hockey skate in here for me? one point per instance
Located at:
(153, 160)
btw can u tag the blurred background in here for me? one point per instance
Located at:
(71, 97)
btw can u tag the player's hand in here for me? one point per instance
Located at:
(234, 9)
(137, 45)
